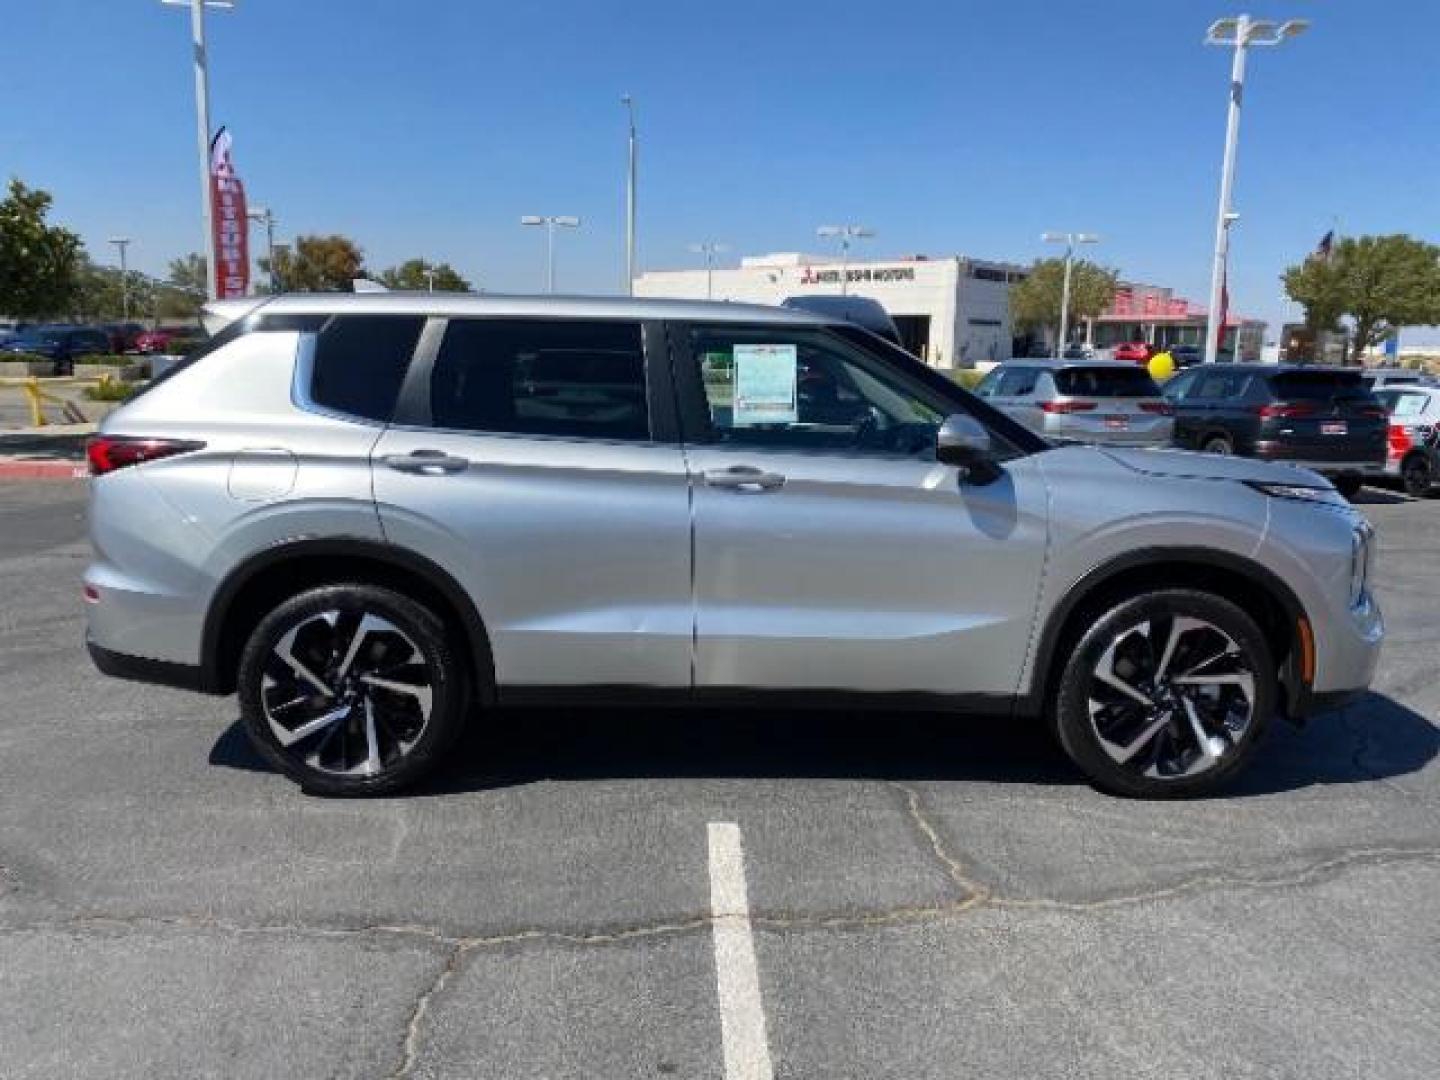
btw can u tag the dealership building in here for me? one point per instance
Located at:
(951, 312)
(1154, 314)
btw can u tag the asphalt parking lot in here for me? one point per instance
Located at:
(925, 900)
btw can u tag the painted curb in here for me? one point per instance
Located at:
(42, 469)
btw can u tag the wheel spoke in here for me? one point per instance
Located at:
(289, 737)
(419, 692)
(1105, 672)
(368, 624)
(1125, 753)
(372, 742)
(286, 652)
(1211, 746)
(1179, 625)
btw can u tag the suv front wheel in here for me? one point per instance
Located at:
(351, 689)
(1166, 695)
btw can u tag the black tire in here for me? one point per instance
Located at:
(1150, 771)
(1349, 486)
(1417, 475)
(403, 643)
(1217, 444)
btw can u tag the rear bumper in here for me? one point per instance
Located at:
(143, 669)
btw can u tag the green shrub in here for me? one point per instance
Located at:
(109, 360)
(111, 390)
(24, 358)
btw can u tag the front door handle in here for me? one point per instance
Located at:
(744, 478)
(427, 462)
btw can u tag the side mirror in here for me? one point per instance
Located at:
(962, 441)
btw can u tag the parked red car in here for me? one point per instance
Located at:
(1137, 352)
(167, 340)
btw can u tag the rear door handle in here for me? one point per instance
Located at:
(744, 478)
(426, 462)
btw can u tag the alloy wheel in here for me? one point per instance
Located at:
(347, 692)
(1171, 697)
(1416, 476)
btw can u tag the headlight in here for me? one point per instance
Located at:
(1326, 496)
(1362, 553)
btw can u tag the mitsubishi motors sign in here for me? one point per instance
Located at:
(232, 229)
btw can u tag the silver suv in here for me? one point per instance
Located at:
(378, 517)
(1094, 401)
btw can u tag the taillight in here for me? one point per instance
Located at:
(1164, 408)
(106, 453)
(1401, 440)
(1288, 412)
(1067, 406)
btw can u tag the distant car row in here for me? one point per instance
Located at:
(1324, 419)
(64, 343)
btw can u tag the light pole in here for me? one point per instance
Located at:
(845, 234)
(1240, 32)
(1069, 239)
(202, 125)
(121, 243)
(630, 184)
(266, 217)
(551, 222)
(709, 249)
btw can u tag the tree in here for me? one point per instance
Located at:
(1380, 283)
(1035, 301)
(39, 264)
(318, 264)
(416, 274)
(100, 297)
(189, 272)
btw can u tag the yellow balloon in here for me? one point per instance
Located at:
(1162, 366)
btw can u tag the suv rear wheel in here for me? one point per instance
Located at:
(1166, 695)
(351, 690)
(1417, 475)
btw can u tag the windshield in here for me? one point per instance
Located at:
(37, 337)
(1105, 382)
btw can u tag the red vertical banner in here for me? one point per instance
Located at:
(232, 227)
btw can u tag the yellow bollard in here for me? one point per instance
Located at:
(32, 391)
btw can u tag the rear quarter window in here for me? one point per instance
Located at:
(359, 362)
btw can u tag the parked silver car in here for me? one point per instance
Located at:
(1094, 401)
(379, 516)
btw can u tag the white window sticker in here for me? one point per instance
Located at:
(765, 381)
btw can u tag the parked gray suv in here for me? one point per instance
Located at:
(379, 516)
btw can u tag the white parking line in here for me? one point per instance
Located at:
(742, 1017)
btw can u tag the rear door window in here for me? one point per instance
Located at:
(573, 379)
(1404, 404)
(360, 361)
(1105, 382)
(1217, 386)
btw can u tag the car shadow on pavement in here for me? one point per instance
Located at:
(1374, 739)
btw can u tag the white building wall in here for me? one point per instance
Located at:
(935, 288)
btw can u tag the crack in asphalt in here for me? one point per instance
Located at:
(954, 869)
(457, 948)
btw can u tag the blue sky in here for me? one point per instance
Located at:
(427, 127)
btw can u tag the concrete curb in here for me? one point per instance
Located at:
(41, 469)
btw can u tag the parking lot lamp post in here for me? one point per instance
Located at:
(1240, 32)
(551, 222)
(121, 243)
(202, 125)
(264, 215)
(1069, 239)
(630, 184)
(845, 234)
(709, 249)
